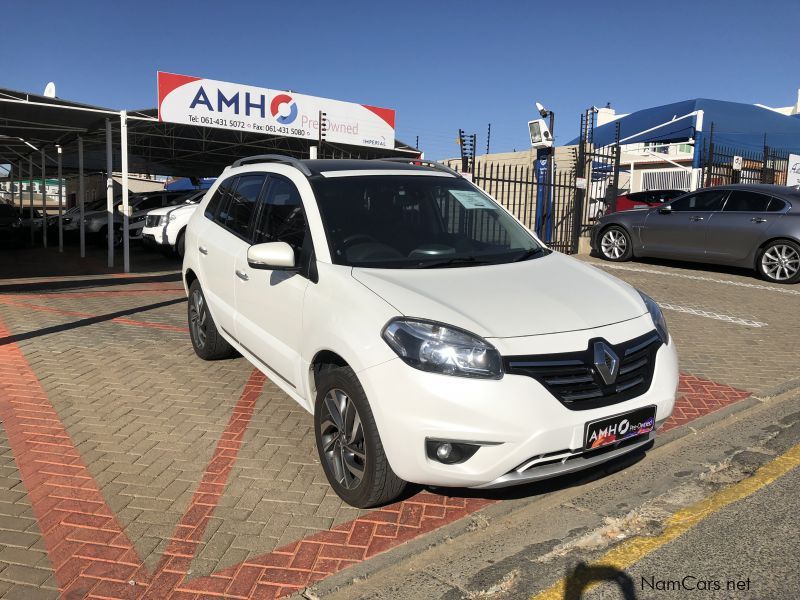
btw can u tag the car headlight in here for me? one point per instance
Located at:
(438, 348)
(658, 317)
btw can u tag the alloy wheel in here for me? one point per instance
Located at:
(342, 435)
(780, 262)
(613, 244)
(198, 316)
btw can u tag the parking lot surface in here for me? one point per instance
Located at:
(131, 468)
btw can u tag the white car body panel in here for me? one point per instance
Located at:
(533, 297)
(167, 234)
(281, 321)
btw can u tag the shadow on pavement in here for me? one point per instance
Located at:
(66, 284)
(583, 576)
(19, 337)
(696, 267)
(35, 261)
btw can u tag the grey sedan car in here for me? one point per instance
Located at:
(752, 226)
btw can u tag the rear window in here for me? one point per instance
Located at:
(744, 201)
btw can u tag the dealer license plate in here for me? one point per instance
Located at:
(611, 430)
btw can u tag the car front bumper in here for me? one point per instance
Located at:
(157, 235)
(528, 433)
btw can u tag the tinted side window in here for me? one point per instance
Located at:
(282, 218)
(242, 204)
(743, 201)
(776, 205)
(702, 201)
(216, 200)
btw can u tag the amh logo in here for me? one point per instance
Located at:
(275, 109)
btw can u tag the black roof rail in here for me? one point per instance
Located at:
(276, 158)
(423, 163)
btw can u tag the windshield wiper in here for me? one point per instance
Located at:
(533, 252)
(464, 260)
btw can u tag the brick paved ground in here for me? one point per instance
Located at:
(142, 463)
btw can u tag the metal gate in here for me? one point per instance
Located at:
(515, 186)
(723, 165)
(597, 175)
(573, 197)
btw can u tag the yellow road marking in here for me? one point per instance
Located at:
(633, 550)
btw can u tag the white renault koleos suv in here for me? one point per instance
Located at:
(433, 337)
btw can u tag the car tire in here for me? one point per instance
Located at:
(615, 244)
(779, 262)
(207, 342)
(342, 405)
(103, 236)
(180, 244)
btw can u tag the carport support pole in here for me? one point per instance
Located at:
(81, 191)
(43, 191)
(30, 196)
(60, 206)
(123, 142)
(109, 195)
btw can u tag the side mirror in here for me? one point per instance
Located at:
(665, 210)
(273, 256)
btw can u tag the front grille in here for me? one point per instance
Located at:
(151, 220)
(573, 379)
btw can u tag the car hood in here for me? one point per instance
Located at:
(94, 214)
(168, 210)
(551, 294)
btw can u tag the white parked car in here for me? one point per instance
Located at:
(433, 337)
(96, 222)
(164, 228)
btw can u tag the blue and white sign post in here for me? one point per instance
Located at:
(542, 142)
(544, 196)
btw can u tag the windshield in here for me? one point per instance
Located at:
(408, 221)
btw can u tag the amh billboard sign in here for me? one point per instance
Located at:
(210, 103)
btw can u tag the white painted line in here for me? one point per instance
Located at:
(755, 286)
(712, 315)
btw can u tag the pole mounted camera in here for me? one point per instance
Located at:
(541, 136)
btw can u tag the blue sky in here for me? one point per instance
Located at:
(441, 65)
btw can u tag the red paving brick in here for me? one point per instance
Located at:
(92, 557)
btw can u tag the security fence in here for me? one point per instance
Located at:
(724, 165)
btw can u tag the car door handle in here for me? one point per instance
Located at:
(203, 249)
(696, 218)
(758, 220)
(242, 275)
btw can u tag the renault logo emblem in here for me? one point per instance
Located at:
(606, 362)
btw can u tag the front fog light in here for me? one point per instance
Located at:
(449, 452)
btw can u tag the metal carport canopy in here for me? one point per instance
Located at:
(153, 147)
(80, 137)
